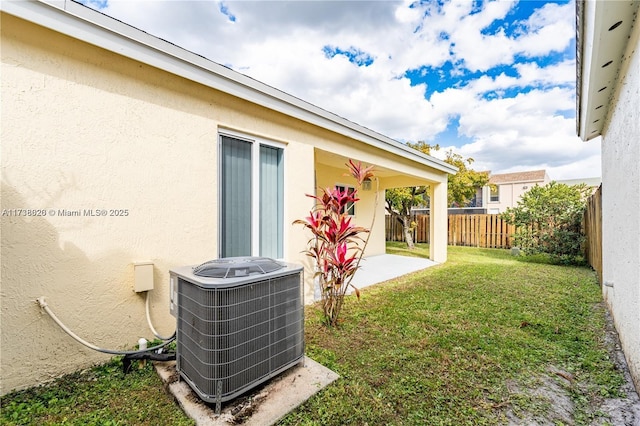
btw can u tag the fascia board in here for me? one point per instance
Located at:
(604, 30)
(586, 36)
(93, 27)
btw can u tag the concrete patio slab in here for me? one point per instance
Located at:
(262, 406)
(384, 267)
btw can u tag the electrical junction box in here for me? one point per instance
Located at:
(143, 280)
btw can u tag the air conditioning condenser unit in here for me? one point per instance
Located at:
(240, 322)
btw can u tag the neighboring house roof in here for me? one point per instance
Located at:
(594, 181)
(602, 55)
(81, 22)
(529, 176)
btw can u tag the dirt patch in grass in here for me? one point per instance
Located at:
(551, 403)
(624, 410)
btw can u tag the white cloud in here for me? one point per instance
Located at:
(550, 28)
(480, 52)
(562, 73)
(281, 43)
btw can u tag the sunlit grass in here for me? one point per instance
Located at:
(440, 346)
(445, 346)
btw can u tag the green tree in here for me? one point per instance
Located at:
(398, 202)
(548, 219)
(461, 189)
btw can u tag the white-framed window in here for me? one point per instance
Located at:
(350, 208)
(494, 194)
(251, 175)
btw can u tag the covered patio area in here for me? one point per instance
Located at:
(384, 267)
(405, 168)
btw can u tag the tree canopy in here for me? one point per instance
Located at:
(461, 188)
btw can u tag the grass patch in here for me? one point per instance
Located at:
(102, 395)
(458, 344)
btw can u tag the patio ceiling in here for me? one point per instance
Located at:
(603, 29)
(331, 159)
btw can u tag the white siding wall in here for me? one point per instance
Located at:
(621, 212)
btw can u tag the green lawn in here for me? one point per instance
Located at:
(100, 396)
(456, 344)
(450, 345)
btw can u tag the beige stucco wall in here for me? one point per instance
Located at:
(509, 194)
(86, 129)
(329, 177)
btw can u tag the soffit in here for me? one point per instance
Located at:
(603, 29)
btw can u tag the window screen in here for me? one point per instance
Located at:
(235, 218)
(271, 201)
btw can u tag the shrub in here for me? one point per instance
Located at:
(548, 219)
(335, 244)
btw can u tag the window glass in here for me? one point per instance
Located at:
(235, 217)
(350, 208)
(251, 198)
(495, 194)
(271, 201)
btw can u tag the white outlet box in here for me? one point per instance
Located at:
(143, 272)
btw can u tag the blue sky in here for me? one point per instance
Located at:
(493, 80)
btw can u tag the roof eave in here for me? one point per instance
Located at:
(93, 27)
(602, 34)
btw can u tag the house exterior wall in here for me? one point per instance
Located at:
(84, 129)
(329, 177)
(620, 207)
(510, 194)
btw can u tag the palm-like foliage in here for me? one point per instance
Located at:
(336, 245)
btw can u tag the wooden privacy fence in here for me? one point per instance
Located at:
(593, 232)
(475, 230)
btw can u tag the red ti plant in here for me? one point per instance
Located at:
(335, 246)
